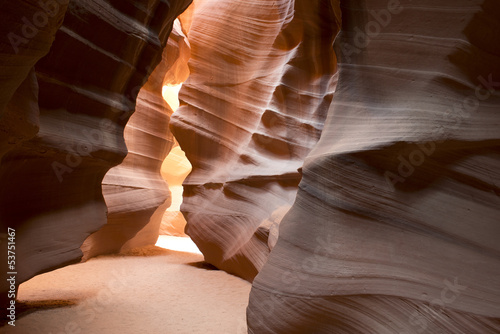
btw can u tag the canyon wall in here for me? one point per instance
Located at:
(395, 227)
(135, 192)
(63, 123)
(174, 170)
(262, 79)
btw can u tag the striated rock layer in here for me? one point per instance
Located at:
(22, 45)
(51, 181)
(135, 192)
(174, 170)
(395, 228)
(262, 78)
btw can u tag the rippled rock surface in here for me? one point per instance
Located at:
(395, 228)
(262, 79)
(62, 125)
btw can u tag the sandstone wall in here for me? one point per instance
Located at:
(64, 135)
(262, 78)
(135, 192)
(395, 226)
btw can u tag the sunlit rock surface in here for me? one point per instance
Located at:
(396, 228)
(135, 192)
(262, 79)
(67, 134)
(174, 170)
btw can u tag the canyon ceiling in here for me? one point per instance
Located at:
(345, 154)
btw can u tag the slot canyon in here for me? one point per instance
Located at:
(256, 166)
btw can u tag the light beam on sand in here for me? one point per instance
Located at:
(180, 244)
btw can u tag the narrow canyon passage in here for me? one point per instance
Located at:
(257, 166)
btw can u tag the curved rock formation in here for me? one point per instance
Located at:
(22, 44)
(395, 227)
(262, 78)
(51, 183)
(28, 30)
(135, 192)
(174, 170)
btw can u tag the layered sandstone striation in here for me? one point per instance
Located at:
(395, 227)
(174, 170)
(22, 45)
(135, 192)
(64, 135)
(262, 79)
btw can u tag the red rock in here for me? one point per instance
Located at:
(134, 191)
(365, 251)
(51, 177)
(262, 78)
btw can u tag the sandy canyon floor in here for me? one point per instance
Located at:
(149, 290)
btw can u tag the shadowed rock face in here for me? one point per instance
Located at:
(395, 227)
(262, 78)
(68, 132)
(135, 192)
(22, 44)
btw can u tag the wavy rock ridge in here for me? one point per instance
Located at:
(262, 78)
(395, 226)
(135, 192)
(68, 132)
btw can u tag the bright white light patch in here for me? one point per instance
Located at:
(180, 244)
(171, 95)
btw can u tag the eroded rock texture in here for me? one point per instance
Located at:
(174, 170)
(22, 44)
(395, 228)
(135, 192)
(51, 181)
(262, 78)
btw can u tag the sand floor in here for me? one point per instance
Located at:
(150, 290)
